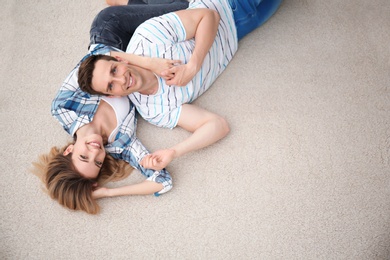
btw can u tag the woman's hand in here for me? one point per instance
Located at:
(158, 160)
(179, 75)
(156, 65)
(160, 65)
(100, 192)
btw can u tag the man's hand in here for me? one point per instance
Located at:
(160, 65)
(180, 75)
(158, 160)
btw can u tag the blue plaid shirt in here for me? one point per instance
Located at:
(74, 108)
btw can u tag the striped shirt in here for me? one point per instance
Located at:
(165, 37)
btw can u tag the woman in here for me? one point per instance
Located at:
(72, 174)
(90, 120)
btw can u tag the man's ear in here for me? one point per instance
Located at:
(68, 150)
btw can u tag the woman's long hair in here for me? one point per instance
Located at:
(64, 184)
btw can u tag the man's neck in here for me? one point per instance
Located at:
(150, 84)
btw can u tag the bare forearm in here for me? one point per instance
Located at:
(201, 24)
(209, 133)
(143, 188)
(204, 38)
(137, 60)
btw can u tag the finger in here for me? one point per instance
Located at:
(170, 82)
(144, 162)
(176, 62)
(169, 71)
(155, 161)
(122, 60)
(168, 77)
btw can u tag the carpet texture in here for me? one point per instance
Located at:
(303, 174)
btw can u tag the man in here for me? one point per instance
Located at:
(204, 38)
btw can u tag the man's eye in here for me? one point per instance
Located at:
(113, 71)
(110, 87)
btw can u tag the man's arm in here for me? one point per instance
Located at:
(206, 127)
(201, 24)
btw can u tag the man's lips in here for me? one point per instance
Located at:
(130, 82)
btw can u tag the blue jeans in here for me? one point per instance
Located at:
(115, 25)
(250, 14)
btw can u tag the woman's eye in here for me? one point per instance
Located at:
(83, 157)
(99, 164)
(110, 87)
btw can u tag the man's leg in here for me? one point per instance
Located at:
(250, 14)
(115, 25)
(129, 2)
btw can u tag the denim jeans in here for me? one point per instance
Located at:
(250, 14)
(115, 25)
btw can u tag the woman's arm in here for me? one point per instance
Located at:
(156, 65)
(143, 188)
(134, 154)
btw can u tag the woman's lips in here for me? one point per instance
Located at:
(95, 144)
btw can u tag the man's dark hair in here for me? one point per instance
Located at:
(86, 71)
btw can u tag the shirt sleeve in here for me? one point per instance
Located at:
(157, 35)
(133, 154)
(72, 107)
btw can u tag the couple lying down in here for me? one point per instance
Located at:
(156, 59)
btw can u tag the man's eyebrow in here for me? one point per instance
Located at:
(108, 84)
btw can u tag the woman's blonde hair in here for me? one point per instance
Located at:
(64, 184)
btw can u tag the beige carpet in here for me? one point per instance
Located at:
(303, 174)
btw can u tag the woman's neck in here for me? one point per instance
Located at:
(103, 123)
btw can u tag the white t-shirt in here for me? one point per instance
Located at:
(121, 107)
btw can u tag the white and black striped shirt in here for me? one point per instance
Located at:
(164, 37)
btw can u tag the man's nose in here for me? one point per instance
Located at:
(120, 79)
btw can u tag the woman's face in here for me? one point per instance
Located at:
(87, 155)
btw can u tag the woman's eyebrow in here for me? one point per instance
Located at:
(86, 161)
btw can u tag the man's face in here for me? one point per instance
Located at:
(115, 78)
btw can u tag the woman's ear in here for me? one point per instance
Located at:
(68, 150)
